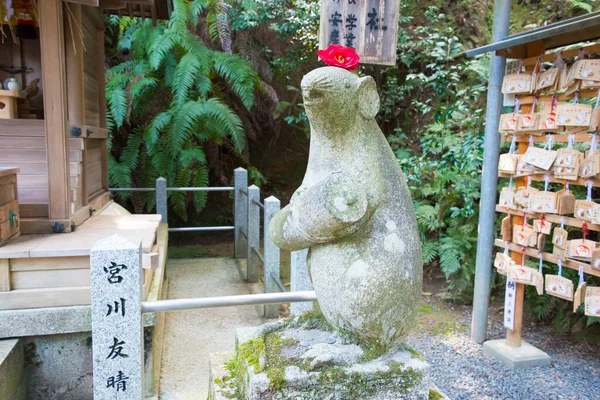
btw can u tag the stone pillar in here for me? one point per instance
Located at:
(271, 256)
(161, 199)
(253, 233)
(300, 279)
(117, 330)
(240, 211)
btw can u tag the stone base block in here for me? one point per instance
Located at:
(523, 356)
(12, 370)
(294, 359)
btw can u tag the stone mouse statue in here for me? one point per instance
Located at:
(354, 211)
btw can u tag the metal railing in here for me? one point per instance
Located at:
(161, 191)
(116, 277)
(248, 211)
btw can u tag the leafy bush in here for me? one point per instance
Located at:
(433, 101)
(169, 98)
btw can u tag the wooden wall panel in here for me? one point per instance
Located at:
(93, 168)
(90, 66)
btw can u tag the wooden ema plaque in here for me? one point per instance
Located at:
(369, 26)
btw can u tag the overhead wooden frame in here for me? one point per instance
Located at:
(155, 9)
(573, 30)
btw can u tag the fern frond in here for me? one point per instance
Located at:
(185, 76)
(160, 47)
(200, 180)
(239, 74)
(179, 17)
(130, 154)
(118, 106)
(222, 23)
(183, 179)
(158, 125)
(188, 156)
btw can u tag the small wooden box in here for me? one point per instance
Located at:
(9, 205)
(8, 103)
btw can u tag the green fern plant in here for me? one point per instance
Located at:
(169, 99)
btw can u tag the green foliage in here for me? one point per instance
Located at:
(438, 138)
(169, 99)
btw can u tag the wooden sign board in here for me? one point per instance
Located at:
(369, 26)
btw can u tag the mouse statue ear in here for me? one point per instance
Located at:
(368, 98)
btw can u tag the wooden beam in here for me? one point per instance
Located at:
(594, 48)
(88, 131)
(55, 106)
(38, 298)
(91, 3)
(549, 257)
(4, 275)
(22, 127)
(112, 4)
(42, 225)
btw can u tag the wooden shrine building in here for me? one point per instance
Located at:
(54, 197)
(58, 137)
(54, 148)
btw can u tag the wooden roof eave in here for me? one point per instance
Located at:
(573, 30)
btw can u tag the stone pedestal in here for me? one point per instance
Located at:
(524, 356)
(304, 358)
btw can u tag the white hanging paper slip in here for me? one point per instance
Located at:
(509, 305)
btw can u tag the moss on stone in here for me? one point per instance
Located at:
(435, 395)
(358, 386)
(251, 352)
(270, 345)
(315, 319)
(276, 364)
(234, 380)
(413, 352)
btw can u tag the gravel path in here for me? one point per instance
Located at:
(461, 370)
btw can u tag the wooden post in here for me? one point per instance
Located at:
(513, 337)
(52, 42)
(102, 103)
(76, 86)
(74, 57)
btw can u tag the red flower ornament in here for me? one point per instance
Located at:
(340, 56)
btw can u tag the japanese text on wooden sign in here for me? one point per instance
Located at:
(369, 26)
(117, 331)
(509, 304)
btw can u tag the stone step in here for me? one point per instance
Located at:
(12, 370)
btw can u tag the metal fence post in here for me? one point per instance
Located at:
(253, 234)
(161, 199)
(240, 212)
(116, 277)
(271, 256)
(300, 279)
